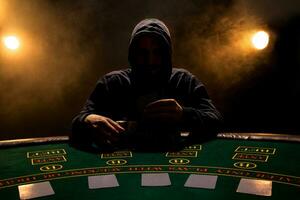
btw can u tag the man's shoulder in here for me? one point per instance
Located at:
(118, 73)
(122, 75)
(180, 73)
(184, 78)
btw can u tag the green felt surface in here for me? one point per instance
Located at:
(215, 158)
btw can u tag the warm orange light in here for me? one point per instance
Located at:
(11, 42)
(260, 40)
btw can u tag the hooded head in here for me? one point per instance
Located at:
(150, 54)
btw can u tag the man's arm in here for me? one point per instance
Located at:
(193, 111)
(200, 116)
(93, 124)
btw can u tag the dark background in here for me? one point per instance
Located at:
(66, 45)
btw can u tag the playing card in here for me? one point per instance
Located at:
(201, 181)
(103, 181)
(35, 190)
(159, 179)
(255, 186)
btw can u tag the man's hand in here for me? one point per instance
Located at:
(104, 129)
(164, 111)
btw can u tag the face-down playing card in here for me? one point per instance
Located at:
(156, 179)
(201, 181)
(255, 186)
(103, 181)
(35, 190)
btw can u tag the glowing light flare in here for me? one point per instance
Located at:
(11, 42)
(260, 40)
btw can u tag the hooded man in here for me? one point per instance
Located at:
(162, 101)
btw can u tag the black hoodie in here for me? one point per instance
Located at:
(119, 96)
(157, 29)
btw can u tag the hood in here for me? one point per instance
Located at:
(155, 28)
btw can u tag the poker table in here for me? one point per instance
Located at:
(230, 157)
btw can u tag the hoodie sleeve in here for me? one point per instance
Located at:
(200, 116)
(81, 133)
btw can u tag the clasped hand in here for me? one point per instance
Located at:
(167, 111)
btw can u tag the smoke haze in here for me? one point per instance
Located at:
(66, 45)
